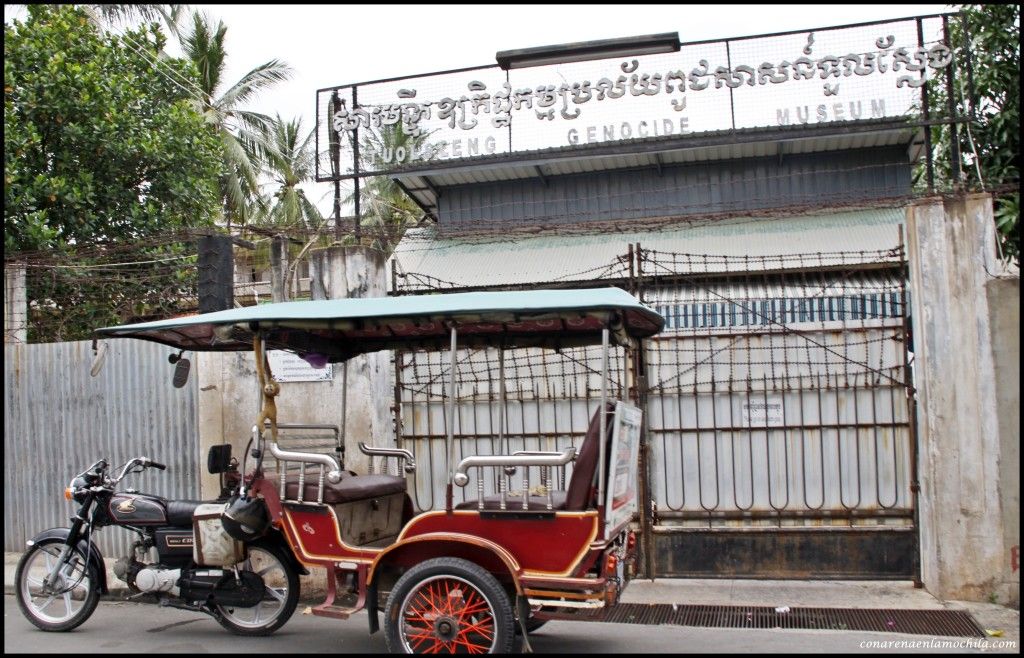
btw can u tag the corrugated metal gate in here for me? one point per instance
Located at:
(58, 420)
(779, 422)
(778, 416)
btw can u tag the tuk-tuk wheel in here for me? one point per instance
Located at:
(448, 605)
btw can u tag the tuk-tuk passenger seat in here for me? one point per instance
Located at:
(580, 493)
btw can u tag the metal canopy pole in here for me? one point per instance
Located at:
(340, 448)
(502, 440)
(603, 419)
(451, 423)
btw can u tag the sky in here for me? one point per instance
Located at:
(330, 45)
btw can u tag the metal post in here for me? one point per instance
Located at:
(732, 103)
(911, 395)
(502, 439)
(954, 140)
(355, 165)
(929, 159)
(604, 423)
(451, 422)
(335, 152)
(344, 415)
(970, 67)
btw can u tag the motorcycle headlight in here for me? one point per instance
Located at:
(76, 490)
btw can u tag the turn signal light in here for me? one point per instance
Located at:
(610, 564)
(67, 493)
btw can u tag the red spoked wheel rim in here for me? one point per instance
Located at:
(446, 614)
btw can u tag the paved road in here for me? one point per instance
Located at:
(120, 627)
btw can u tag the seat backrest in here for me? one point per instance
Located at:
(582, 484)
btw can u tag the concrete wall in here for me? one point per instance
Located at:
(1004, 304)
(228, 395)
(952, 259)
(15, 305)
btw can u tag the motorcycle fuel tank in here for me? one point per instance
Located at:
(137, 509)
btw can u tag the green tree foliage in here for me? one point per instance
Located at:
(238, 130)
(289, 161)
(100, 145)
(387, 211)
(990, 143)
(105, 156)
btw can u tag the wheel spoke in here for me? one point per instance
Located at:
(475, 629)
(67, 604)
(49, 600)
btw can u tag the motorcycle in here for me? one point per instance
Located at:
(220, 558)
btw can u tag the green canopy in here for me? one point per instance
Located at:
(341, 328)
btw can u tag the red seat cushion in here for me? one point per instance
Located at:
(351, 487)
(513, 503)
(583, 484)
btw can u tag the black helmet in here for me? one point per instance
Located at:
(245, 519)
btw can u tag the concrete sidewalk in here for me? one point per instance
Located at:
(1002, 621)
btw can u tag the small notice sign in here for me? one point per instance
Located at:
(288, 367)
(763, 412)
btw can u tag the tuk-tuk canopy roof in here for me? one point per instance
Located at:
(339, 329)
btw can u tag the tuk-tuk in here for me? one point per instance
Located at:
(469, 577)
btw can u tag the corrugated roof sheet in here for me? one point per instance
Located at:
(673, 149)
(426, 258)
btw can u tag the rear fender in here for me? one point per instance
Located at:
(401, 555)
(480, 551)
(277, 538)
(87, 547)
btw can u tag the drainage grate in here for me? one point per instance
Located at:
(955, 623)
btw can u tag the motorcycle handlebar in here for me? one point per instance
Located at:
(154, 464)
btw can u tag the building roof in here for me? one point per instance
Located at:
(423, 181)
(425, 259)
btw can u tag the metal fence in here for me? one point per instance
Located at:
(58, 420)
(778, 398)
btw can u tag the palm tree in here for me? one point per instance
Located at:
(385, 209)
(241, 131)
(170, 15)
(290, 160)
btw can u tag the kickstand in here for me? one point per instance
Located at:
(523, 612)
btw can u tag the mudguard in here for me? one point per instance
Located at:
(277, 537)
(88, 547)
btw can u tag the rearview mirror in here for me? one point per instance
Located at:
(218, 459)
(181, 369)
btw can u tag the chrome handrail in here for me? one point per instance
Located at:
(398, 453)
(333, 475)
(549, 459)
(523, 458)
(539, 453)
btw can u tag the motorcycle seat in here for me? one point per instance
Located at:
(179, 512)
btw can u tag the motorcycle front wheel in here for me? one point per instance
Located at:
(281, 594)
(69, 601)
